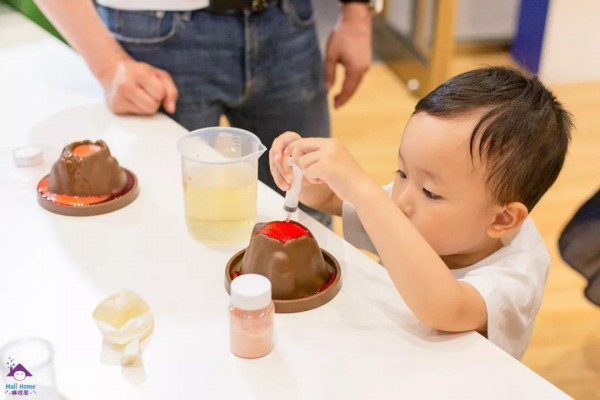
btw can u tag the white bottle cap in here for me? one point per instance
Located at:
(251, 292)
(27, 156)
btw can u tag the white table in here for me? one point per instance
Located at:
(55, 269)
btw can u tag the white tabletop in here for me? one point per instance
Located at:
(54, 270)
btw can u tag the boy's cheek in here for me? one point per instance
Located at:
(396, 189)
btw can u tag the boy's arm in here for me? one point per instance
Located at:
(321, 198)
(424, 281)
(426, 284)
(130, 86)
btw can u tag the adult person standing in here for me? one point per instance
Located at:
(255, 61)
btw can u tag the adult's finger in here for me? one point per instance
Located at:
(124, 106)
(119, 104)
(169, 101)
(330, 62)
(351, 82)
(142, 100)
(150, 82)
(135, 109)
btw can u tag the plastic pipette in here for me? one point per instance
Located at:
(292, 196)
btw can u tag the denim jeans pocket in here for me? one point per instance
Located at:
(140, 27)
(300, 12)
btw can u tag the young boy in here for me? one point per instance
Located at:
(453, 230)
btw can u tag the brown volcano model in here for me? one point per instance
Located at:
(87, 180)
(87, 169)
(302, 275)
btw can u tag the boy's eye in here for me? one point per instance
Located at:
(401, 173)
(431, 195)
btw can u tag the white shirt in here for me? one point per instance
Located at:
(165, 5)
(511, 281)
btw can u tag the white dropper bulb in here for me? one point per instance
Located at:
(292, 196)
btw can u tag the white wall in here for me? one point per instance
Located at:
(571, 47)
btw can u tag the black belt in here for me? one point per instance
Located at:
(221, 6)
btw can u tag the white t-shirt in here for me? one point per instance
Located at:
(164, 5)
(510, 281)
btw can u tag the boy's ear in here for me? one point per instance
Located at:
(508, 218)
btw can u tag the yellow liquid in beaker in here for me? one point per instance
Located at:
(220, 209)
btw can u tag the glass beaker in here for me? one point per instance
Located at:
(220, 178)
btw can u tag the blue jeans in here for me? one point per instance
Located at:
(262, 70)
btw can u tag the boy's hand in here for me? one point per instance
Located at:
(281, 171)
(327, 161)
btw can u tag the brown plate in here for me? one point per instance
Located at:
(68, 205)
(295, 305)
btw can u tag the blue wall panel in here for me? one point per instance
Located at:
(527, 45)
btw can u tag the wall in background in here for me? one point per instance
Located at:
(557, 40)
(571, 50)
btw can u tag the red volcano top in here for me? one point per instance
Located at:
(284, 231)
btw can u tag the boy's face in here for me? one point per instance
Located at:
(440, 188)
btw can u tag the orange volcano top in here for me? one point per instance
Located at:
(84, 150)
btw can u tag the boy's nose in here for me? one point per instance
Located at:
(403, 201)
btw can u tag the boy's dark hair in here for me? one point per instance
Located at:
(524, 132)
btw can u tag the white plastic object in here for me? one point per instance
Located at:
(27, 156)
(250, 292)
(292, 196)
(126, 322)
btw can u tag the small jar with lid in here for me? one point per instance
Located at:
(251, 314)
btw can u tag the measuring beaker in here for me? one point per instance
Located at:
(220, 178)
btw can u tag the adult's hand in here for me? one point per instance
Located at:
(133, 87)
(350, 45)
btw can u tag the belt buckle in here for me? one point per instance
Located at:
(259, 5)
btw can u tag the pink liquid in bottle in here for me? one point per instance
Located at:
(251, 315)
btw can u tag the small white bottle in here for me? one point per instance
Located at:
(251, 314)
